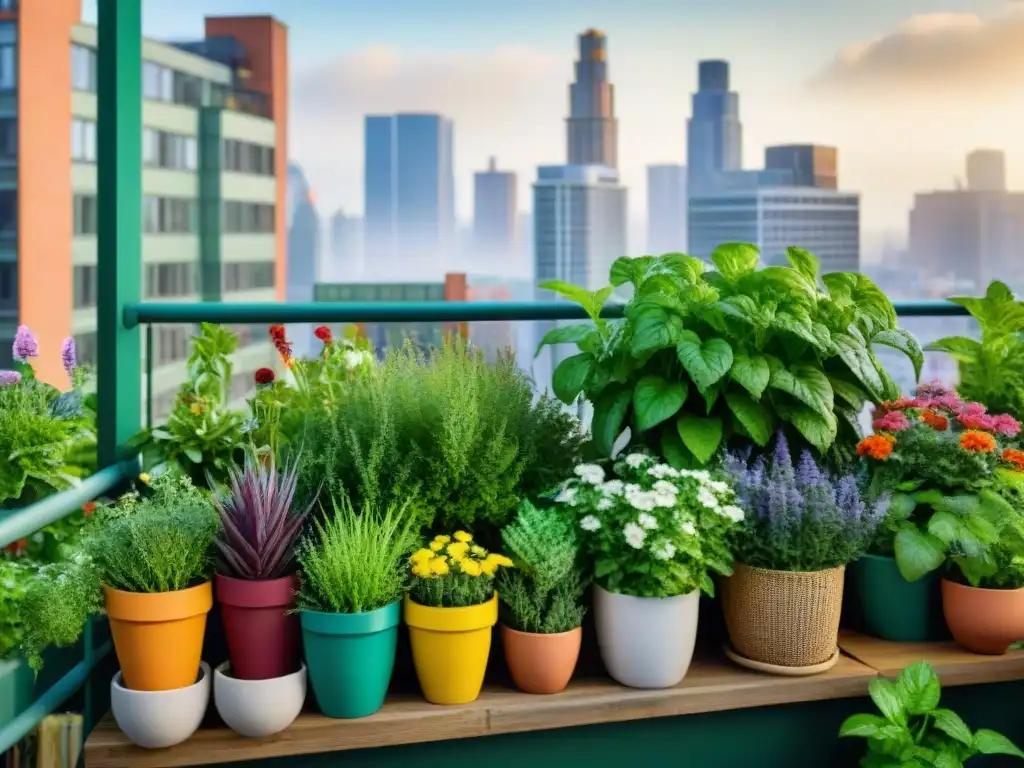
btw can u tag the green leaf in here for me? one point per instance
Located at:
(950, 723)
(701, 435)
(805, 263)
(849, 393)
(857, 359)
(655, 400)
(572, 292)
(655, 328)
(921, 689)
(945, 760)
(751, 372)
(194, 456)
(864, 726)
(734, 260)
(706, 362)
(604, 566)
(673, 450)
(755, 418)
(904, 341)
(569, 377)
(917, 553)
(568, 334)
(817, 428)
(945, 527)
(960, 348)
(789, 283)
(609, 417)
(888, 699)
(807, 384)
(689, 268)
(629, 269)
(991, 743)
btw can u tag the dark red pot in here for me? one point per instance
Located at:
(264, 640)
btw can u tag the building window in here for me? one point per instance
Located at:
(242, 157)
(248, 276)
(172, 279)
(187, 90)
(85, 348)
(168, 215)
(83, 68)
(8, 138)
(8, 212)
(172, 344)
(157, 82)
(8, 285)
(162, 149)
(247, 218)
(8, 56)
(84, 287)
(83, 140)
(85, 219)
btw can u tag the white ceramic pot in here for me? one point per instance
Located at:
(256, 708)
(646, 642)
(159, 719)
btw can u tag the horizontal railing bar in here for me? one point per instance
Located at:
(55, 695)
(410, 312)
(21, 523)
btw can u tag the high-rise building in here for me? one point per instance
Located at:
(714, 135)
(346, 252)
(214, 136)
(986, 170)
(592, 130)
(303, 253)
(409, 194)
(666, 209)
(825, 222)
(810, 165)
(495, 218)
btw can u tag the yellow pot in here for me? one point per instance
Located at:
(450, 647)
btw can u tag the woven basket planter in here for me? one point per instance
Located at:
(783, 618)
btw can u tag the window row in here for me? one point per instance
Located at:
(243, 157)
(247, 276)
(8, 213)
(172, 279)
(242, 218)
(8, 138)
(169, 150)
(177, 215)
(83, 140)
(8, 285)
(8, 56)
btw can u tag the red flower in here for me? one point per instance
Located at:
(277, 333)
(264, 376)
(17, 547)
(324, 334)
(88, 508)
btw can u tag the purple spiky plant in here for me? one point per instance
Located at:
(259, 527)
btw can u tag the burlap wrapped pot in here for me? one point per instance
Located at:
(784, 618)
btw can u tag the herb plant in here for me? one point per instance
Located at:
(454, 572)
(652, 530)
(259, 527)
(15, 579)
(355, 563)
(544, 592)
(702, 356)
(913, 731)
(800, 518)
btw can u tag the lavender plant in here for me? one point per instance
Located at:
(259, 528)
(800, 518)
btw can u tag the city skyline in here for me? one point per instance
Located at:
(505, 87)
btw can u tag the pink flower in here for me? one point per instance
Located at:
(1006, 425)
(9, 378)
(949, 402)
(25, 344)
(68, 355)
(974, 409)
(894, 421)
(975, 420)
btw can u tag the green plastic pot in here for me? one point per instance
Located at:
(892, 608)
(17, 688)
(350, 657)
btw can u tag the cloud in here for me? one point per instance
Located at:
(957, 56)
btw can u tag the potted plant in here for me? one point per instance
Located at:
(451, 609)
(942, 458)
(913, 729)
(803, 525)
(651, 534)
(255, 580)
(353, 578)
(541, 599)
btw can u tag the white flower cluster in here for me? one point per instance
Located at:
(356, 357)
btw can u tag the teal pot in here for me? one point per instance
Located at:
(892, 608)
(350, 657)
(17, 688)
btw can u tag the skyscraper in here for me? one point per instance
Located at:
(303, 252)
(495, 218)
(346, 252)
(714, 135)
(666, 209)
(409, 189)
(986, 170)
(810, 165)
(592, 130)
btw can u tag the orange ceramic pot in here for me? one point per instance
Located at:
(541, 663)
(158, 637)
(983, 620)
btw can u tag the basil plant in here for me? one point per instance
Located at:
(705, 353)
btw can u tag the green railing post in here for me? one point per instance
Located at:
(119, 241)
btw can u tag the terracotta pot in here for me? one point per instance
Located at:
(541, 663)
(263, 639)
(983, 620)
(158, 637)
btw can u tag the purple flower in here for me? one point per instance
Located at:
(9, 378)
(68, 355)
(25, 344)
(807, 472)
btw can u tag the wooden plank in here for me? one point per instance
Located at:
(953, 664)
(713, 684)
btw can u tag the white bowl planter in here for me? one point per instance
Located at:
(256, 708)
(646, 642)
(159, 719)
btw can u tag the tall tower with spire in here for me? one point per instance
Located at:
(592, 130)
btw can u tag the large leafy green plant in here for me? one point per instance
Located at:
(704, 354)
(991, 370)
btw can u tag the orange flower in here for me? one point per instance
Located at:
(1013, 456)
(977, 441)
(935, 420)
(876, 446)
(88, 508)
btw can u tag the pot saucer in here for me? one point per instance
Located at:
(778, 669)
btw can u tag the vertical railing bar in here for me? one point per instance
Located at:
(149, 375)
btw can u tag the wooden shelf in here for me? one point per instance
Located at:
(712, 684)
(952, 664)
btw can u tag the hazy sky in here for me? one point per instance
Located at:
(904, 88)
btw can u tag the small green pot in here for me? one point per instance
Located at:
(892, 608)
(350, 657)
(17, 688)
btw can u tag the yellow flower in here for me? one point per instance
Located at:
(458, 550)
(463, 536)
(478, 551)
(144, 478)
(501, 560)
(196, 409)
(422, 570)
(436, 546)
(439, 566)
(421, 556)
(470, 567)
(442, 539)
(488, 566)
